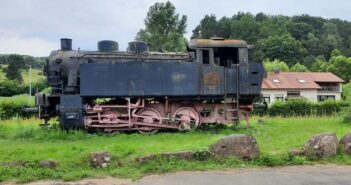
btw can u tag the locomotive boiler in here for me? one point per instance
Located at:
(110, 90)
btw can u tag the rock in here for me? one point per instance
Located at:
(99, 159)
(297, 151)
(321, 146)
(239, 145)
(345, 143)
(19, 163)
(185, 155)
(48, 164)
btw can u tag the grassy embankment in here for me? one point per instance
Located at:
(23, 140)
(36, 75)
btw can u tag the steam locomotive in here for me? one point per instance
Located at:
(110, 90)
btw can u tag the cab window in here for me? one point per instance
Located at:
(226, 56)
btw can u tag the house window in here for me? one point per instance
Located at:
(325, 97)
(293, 93)
(302, 81)
(275, 80)
(279, 97)
(266, 98)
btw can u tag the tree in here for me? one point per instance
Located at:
(319, 65)
(164, 28)
(299, 30)
(207, 28)
(15, 63)
(275, 65)
(341, 66)
(298, 68)
(246, 28)
(346, 91)
(335, 53)
(284, 48)
(224, 28)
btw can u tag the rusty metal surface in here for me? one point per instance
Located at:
(212, 79)
(198, 43)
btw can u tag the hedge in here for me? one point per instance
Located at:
(12, 106)
(11, 88)
(302, 107)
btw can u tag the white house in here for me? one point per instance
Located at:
(315, 86)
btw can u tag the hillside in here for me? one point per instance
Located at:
(36, 74)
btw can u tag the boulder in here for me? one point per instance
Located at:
(239, 145)
(99, 159)
(321, 146)
(345, 144)
(48, 164)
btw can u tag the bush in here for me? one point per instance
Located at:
(346, 115)
(11, 87)
(301, 107)
(12, 107)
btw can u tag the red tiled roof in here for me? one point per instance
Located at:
(298, 80)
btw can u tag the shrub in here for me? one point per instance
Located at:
(12, 107)
(295, 107)
(11, 87)
(346, 114)
(302, 107)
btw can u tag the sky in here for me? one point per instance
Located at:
(34, 27)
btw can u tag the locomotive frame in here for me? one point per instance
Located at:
(112, 91)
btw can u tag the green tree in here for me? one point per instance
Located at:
(319, 65)
(341, 66)
(207, 28)
(224, 27)
(299, 30)
(283, 47)
(164, 28)
(346, 91)
(335, 53)
(298, 68)
(275, 65)
(15, 63)
(311, 43)
(246, 28)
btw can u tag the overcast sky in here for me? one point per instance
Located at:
(34, 27)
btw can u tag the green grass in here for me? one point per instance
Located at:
(36, 75)
(22, 99)
(23, 140)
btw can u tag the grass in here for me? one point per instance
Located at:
(36, 75)
(22, 99)
(23, 140)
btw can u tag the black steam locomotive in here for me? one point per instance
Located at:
(110, 90)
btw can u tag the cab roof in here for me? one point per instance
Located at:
(216, 42)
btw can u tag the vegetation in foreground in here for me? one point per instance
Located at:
(24, 144)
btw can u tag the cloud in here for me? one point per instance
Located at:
(11, 43)
(35, 26)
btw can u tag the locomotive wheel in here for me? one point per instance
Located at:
(187, 118)
(150, 116)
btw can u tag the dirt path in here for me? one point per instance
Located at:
(297, 175)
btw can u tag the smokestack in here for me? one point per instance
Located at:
(66, 44)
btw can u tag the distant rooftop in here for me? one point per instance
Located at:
(298, 80)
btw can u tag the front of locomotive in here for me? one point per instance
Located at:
(56, 71)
